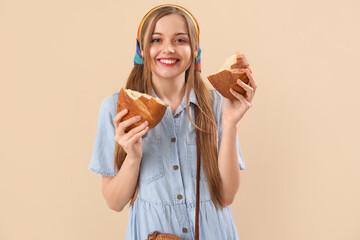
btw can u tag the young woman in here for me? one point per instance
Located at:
(156, 170)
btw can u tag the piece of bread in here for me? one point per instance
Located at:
(233, 69)
(149, 108)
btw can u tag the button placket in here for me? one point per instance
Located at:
(178, 187)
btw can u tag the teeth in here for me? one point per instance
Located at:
(167, 61)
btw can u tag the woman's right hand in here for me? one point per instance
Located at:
(131, 142)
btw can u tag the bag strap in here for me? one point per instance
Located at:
(197, 210)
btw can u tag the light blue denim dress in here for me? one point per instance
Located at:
(166, 197)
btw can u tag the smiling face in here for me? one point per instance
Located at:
(169, 47)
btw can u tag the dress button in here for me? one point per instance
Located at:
(179, 196)
(176, 167)
(185, 230)
(176, 115)
(173, 139)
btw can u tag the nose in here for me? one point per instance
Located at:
(169, 48)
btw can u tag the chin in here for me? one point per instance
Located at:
(169, 74)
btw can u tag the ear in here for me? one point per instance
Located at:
(196, 53)
(142, 52)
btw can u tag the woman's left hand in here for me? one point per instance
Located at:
(234, 110)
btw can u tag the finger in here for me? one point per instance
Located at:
(118, 117)
(251, 79)
(136, 130)
(249, 90)
(124, 124)
(138, 135)
(240, 97)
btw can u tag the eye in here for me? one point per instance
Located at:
(181, 40)
(155, 40)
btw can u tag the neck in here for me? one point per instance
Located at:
(169, 90)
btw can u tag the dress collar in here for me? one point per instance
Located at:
(192, 98)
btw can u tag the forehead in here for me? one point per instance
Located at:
(171, 24)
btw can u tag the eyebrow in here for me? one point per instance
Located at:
(179, 33)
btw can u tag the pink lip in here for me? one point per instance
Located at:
(168, 65)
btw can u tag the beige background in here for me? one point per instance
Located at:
(300, 140)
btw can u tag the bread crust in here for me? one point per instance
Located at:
(234, 68)
(149, 108)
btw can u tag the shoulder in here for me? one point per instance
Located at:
(109, 103)
(111, 99)
(217, 99)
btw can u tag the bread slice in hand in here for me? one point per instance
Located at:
(149, 108)
(233, 69)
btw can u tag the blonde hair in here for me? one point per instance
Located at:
(140, 79)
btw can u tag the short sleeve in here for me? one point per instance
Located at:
(217, 104)
(102, 160)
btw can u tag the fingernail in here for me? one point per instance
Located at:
(146, 123)
(124, 110)
(138, 117)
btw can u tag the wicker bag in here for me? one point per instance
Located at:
(162, 236)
